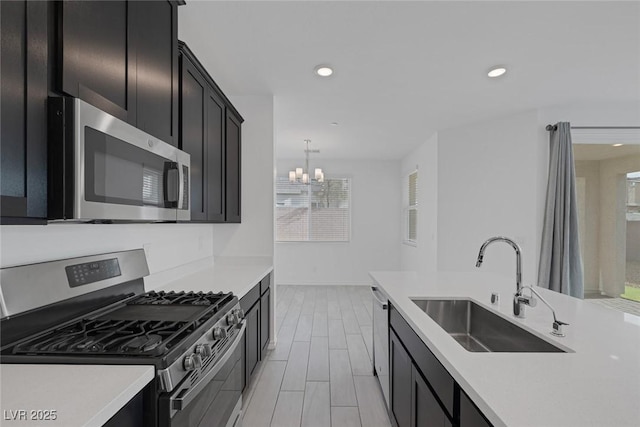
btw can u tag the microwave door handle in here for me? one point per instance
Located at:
(180, 185)
(171, 183)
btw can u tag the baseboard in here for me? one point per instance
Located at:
(324, 283)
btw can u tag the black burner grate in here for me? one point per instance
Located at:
(109, 337)
(179, 298)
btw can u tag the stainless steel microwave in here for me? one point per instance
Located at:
(104, 169)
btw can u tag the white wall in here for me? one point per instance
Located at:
(169, 247)
(375, 215)
(491, 181)
(254, 236)
(423, 256)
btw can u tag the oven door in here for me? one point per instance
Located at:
(215, 400)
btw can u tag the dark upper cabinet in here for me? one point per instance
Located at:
(216, 152)
(210, 131)
(400, 367)
(193, 97)
(155, 42)
(121, 56)
(23, 125)
(233, 159)
(95, 58)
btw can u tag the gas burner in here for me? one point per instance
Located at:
(178, 298)
(111, 337)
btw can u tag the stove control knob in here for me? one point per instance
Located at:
(203, 350)
(197, 361)
(189, 362)
(232, 319)
(239, 313)
(219, 333)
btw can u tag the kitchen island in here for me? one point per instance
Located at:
(595, 382)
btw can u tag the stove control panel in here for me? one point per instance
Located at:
(90, 272)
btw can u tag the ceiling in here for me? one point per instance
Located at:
(406, 69)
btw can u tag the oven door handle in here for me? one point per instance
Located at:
(374, 292)
(184, 399)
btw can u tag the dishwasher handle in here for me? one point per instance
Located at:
(374, 292)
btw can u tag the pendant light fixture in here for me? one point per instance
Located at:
(302, 175)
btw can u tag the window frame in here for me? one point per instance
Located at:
(349, 216)
(408, 208)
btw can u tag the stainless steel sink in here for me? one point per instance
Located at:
(478, 329)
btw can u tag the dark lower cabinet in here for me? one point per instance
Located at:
(24, 53)
(252, 337)
(425, 409)
(400, 367)
(256, 306)
(423, 393)
(264, 321)
(210, 131)
(470, 416)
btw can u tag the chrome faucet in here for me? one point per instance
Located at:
(519, 300)
(557, 324)
(515, 246)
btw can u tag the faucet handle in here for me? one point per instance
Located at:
(557, 328)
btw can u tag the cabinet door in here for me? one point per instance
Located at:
(425, 410)
(97, 63)
(155, 41)
(470, 416)
(401, 378)
(193, 95)
(265, 311)
(24, 89)
(252, 343)
(215, 157)
(233, 184)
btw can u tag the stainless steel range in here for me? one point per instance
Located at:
(93, 310)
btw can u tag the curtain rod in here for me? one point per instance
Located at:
(555, 127)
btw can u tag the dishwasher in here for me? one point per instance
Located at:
(381, 340)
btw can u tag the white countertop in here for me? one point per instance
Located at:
(224, 274)
(597, 383)
(80, 395)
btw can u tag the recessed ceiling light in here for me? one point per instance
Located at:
(334, 123)
(618, 145)
(496, 72)
(323, 70)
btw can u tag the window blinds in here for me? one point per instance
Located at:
(317, 212)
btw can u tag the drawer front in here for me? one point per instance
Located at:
(265, 283)
(436, 375)
(247, 301)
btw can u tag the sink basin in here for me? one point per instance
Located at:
(477, 329)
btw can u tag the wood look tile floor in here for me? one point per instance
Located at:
(320, 374)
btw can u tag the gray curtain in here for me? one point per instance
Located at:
(560, 261)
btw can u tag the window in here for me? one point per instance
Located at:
(317, 212)
(411, 211)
